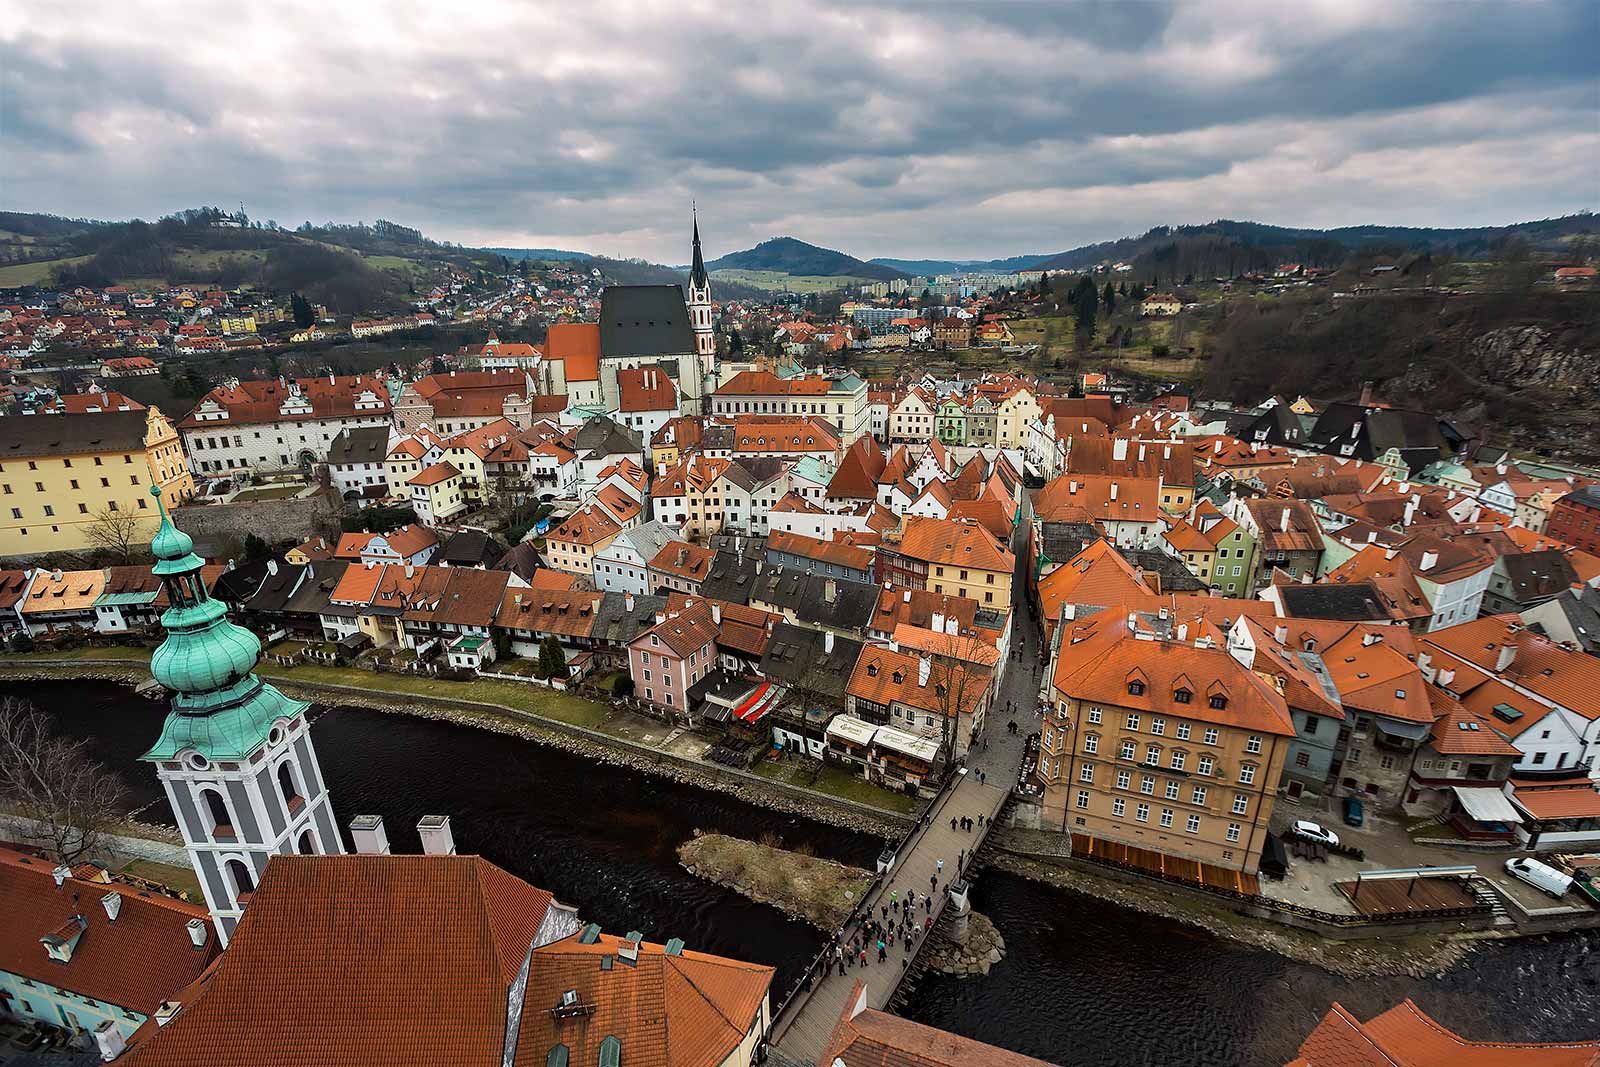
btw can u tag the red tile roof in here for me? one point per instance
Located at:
(646, 389)
(871, 1038)
(134, 962)
(470, 394)
(1404, 1036)
(578, 344)
(259, 401)
(439, 472)
(840, 553)
(765, 383)
(954, 543)
(1557, 674)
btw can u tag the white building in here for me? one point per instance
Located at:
(623, 566)
(357, 462)
(279, 424)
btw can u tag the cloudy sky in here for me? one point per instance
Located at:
(922, 130)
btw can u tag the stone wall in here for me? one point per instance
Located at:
(297, 518)
(114, 850)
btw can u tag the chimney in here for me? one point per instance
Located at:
(1370, 638)
(1411, 511)
(908, 596)
(437, 840)
(367, 832)
(61, 874)
(197, 932)
(627, 601)
(1283, 523)
(109, 1040)
(1141, 452)
(937, 623)
(1218, 449)
(168, 1009)
(411, 570)
(1503, 658)
(1119, 448)
(1429, 558)
(1166, 451)
(1390, 552)
(894, 646)
(827, 642)
(924, 668)
(716, 614)
(1366, 394)
(112, 902)
(1113, 490)
(1445, 676)
(951, 626)
(830, 591)
(1183, 631)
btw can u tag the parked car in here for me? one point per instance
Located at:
(1539, 875)
(1354, 811)
(1315, 832)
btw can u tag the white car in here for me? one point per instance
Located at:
(1315, 832)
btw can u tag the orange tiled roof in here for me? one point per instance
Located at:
(883, 676)
(684, 560)
(1097, 575)
(439, 472)
(1107, 498)
(954, 543)
(134, 962)
(836, 552)
(578, 344)
(765, 383)
(646, 389)
(64, 591)
(1538, 664)
(871, 1038)
(1404, 1036)
(587, 526)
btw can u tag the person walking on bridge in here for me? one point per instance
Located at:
(939, 865)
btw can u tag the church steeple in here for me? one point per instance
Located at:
(699, 305)
(234, 753)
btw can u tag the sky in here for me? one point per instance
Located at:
(923, 130)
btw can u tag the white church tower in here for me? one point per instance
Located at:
(705, 337)
(235, 754)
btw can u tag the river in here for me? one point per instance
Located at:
(1084, 982)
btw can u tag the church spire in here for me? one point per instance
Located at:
(697, 273)
(234, 753)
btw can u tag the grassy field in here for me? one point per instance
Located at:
(539, 701)
(812, 774)
(87, 652)
(35, 273)
(271, 492)
(400, 263)
(181, 879)
(777, 281)
(1136, 358)
(195, 264)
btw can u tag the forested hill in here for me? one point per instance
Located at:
(789, 256)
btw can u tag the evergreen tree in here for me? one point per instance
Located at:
(1109, 298)
(1044, 283)
(1123, 288)
(735, 343)
(301, 309)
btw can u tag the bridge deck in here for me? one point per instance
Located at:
(803, 1030)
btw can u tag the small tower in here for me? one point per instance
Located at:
(705, 338)
(234, 754)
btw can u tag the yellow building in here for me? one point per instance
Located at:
(962, 558)
(70, 482)
(1013, 415)
(437, 493)
(1159, 738)
(233, 325)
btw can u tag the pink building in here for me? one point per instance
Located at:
(674, 654)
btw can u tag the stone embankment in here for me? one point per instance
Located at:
(823, 893)
(1418, 955)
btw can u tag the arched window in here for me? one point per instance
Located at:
(243, 881)
(610, 1052)
(217, 810)
(307, 845)
(557, 1057)
(291, 793)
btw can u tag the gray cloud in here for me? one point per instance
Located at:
(903, 129)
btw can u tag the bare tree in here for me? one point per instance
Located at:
(958, 675)
(69, 799)
(115, 531)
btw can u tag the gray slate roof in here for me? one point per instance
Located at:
(644, 320)
(72, 435)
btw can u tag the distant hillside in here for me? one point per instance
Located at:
(922, 268)
(789, 256)
(552, 254)
(1228, 247)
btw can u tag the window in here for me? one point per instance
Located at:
(1158, 726)
(243, 881)
(307, 845)
(1253, 744)
(1233, 831)
(1136, 688)
(1199, 795)
(1206, 764)
(1086, 773)
(1178, 760)
(286, 785)
(1147, 785)
(1119, 807)
(1241, 803)
(217, 810)
(1094, 716)
(1133, 722)
(1183, 731)
(1172, 790)
(1083, 798)
(1211, 736)
(1091, 744)
(1180, 696)
(1194, 824)
(1247, 773)
(1219, 701)
(1311, 725)
(1129, 750)
(1152, 754)
(1123, 778)
(1302, 759)
(1142, 812)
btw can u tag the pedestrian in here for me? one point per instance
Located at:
(882, 955)
(939, 865)
(894, 897)
(927, 924)
(933, 881)
(952, 822)
(883, 910)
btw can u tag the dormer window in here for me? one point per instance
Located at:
(872, 670)
(1219, 701)
(898, 676)
(1136, 688)
(1181, 696)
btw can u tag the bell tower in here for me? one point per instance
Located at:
(235, 754)
(705, 338)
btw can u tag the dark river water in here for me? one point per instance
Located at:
(1084, 982)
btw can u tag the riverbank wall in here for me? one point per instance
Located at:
(138, 841)
(593, 745)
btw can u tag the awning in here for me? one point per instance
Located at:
(1487, 805)
(1410, 731)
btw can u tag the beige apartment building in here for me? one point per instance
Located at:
(1158, 738)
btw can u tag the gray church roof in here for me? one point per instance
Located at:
(644, 320)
